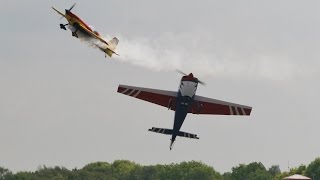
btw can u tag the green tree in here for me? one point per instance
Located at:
(313, 169)
(197, 170)
(252, 171)
(227, 176)
(5, 174)
(45, 173)
(299, 170)
(186, 171)
(147, 172)
(98, 167)
(24, 176)
(97, 170)
(274, 170)
(127, 170)
(122, 169)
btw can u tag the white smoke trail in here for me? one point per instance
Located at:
(204, 56)
(169, 52)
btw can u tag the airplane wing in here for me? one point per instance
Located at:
(59, 12)
(203, 105)
(160, 97)
(93, 34)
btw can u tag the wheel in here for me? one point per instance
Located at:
(62, 26)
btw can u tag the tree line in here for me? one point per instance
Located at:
(192, 170)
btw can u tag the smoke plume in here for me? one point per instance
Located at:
(205, 55)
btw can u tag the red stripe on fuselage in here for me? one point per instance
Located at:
(80, 20)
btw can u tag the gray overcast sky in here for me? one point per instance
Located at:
(58, 100)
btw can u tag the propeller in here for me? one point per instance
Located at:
(71, 7)
(201, 82)
(183, 73)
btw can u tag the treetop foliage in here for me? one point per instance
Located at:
(128, 170)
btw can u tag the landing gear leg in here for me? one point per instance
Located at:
(75, 33)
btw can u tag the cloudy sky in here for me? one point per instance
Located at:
(58, 100)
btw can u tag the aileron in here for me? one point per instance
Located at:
(203, 105)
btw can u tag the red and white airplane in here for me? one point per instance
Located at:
(183, 102)
(77, 25)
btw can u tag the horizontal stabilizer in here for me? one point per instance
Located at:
(187, 135)
(161, 130)
(169, 132)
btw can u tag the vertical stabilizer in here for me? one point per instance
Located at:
(113, 43)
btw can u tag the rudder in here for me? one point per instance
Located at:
(113, 43)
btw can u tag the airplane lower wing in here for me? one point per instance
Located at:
(203, 105)
(58, 12)
(160, 97)
(93, 34)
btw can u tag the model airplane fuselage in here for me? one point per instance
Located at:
(187, 90)
(183, 102)
(76, 24)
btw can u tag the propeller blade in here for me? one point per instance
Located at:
(72, 7)
(202, 83)
(181, 72)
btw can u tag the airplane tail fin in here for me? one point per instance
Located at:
(112, 44)
(169, 132)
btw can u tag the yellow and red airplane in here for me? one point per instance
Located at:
(75, 24)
